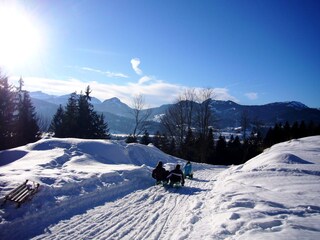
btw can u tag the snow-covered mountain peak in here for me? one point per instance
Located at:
(41, 95)
(296, 105)
(114, 99)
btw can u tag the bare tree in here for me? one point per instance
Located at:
(174, 122)
(190, 112)
(189, 99)
(204, 121)
(179, 117)
(140, 114)
(204, 117)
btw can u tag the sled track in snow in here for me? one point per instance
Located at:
(154, 213)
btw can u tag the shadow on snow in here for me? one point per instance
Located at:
(185, 190)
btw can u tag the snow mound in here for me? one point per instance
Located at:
(73, 159)
(77, 173)
(285, 154)
(291, 159)
(274, 195)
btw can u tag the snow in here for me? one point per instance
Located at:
(297, 105)
(102, 189)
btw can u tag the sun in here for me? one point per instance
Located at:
(20, 39)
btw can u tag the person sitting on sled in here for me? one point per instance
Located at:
(188, 170)
(176, 176)
(160, 173)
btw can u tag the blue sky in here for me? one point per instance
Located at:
(251, 52)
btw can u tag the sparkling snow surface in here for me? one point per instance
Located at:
(95, 189)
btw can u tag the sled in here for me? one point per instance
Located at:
(175, 185)
(163, 183)
(190, 176)
(22, 193)
(169, 185)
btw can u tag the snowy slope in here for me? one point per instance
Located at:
(273, 196)
(95, 189)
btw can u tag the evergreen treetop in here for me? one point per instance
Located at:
(79, 119)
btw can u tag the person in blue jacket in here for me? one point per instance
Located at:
(188, 170)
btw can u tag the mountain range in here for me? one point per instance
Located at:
(227, 114)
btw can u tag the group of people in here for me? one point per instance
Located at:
(173, 177)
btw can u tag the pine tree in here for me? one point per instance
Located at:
(286, 131)
(188, 146)
(57, 122)
(269, 138)
(165, 144)
(131, 139)
(210, 144)
(7, 108)
(276, 134)
(311, 128)
(302, 130)
(25, 122)
(234, 151)
(70, 120)
(221, 150)
(172, 147)
(145, 140)
(99, 128)
(79, 119)
(254, 146)
(295, 130)
(157, 139)
(85, 117)
(91, 125)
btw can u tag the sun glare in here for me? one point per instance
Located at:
(20, 39)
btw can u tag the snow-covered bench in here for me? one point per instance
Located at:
(21, 193)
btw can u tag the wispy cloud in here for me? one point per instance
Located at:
(135, 62)
(223, 95)
(252, 95)
(156, 92)
(145, 79)
(105, 73)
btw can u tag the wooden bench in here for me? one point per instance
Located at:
(21, 193)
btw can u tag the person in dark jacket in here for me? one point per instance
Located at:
(176, 176)
(160, 173)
